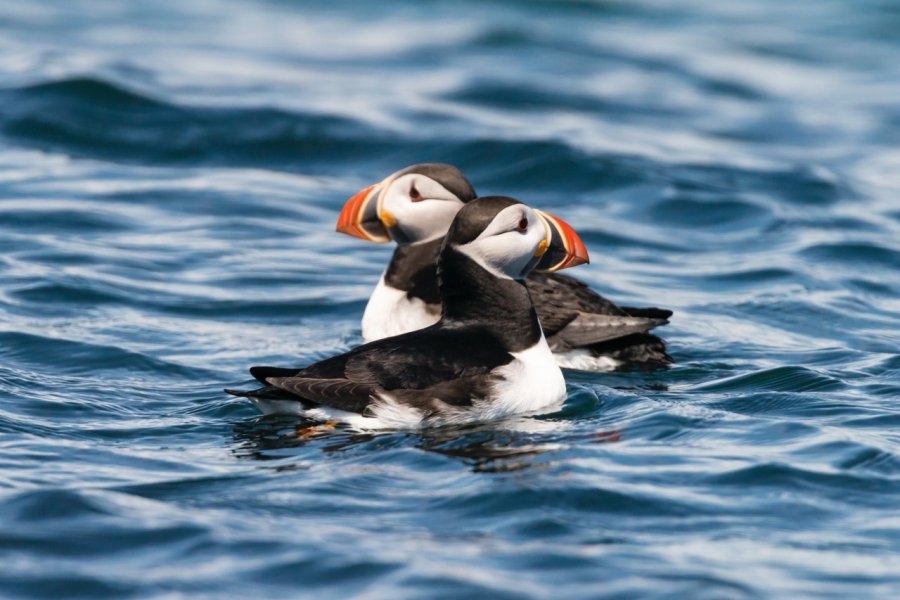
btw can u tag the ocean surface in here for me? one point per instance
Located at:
(170, 176)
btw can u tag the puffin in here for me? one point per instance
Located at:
(486, 357)
(414, 208)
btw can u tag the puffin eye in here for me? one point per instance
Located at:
(522, 225)
(414, 194)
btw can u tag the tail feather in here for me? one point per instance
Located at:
(261, 374)
(648, 313)
(269, 392)
(642, 350)
(239, 393)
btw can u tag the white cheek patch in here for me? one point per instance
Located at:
(500, 250)
(427, 219)
(504, 255)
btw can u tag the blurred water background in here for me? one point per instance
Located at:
(170, 174)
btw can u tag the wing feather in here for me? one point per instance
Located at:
(587, 328)
(342, 394)
(426, 369)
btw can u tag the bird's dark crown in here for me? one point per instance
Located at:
(475, 216)
(447, 175)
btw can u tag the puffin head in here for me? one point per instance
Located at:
(415, 204)
(510, 239)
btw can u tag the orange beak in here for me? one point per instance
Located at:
(360, 218)
(562, 248)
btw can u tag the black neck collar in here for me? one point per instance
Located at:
(413, 269)
(472, 296)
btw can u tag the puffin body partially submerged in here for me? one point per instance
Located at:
(485, 358)
(414, 207)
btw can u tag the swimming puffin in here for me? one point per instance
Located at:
(486, 357)
(414, 207)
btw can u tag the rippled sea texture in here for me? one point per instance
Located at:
(170, 174)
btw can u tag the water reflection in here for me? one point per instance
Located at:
(510, 445)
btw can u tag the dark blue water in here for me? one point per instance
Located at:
(170, 175)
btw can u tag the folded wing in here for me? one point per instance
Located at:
(589, 328)
(428, 370)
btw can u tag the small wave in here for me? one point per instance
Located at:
(854, 253)
(42, 505)
(526, 97)
(57, 355)
(160, 299)
(571, 497)
(323, 570)
(788, 477)
(778, 379)
(530, 166)
(616, 238)
(858, 457)
(800, 184)
(718, 215)
(64, 528)
(70, 220)
(751, 277)
(62, 116)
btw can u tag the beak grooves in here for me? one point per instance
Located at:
(564, 248)
(359, 216)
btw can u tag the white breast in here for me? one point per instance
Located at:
(531, 382)
(391, 312)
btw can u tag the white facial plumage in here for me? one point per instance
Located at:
(507, 247)
(421, 207)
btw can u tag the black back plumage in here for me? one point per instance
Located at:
(448, 364)
(572, 314)
(558, 300)
(413, 270)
